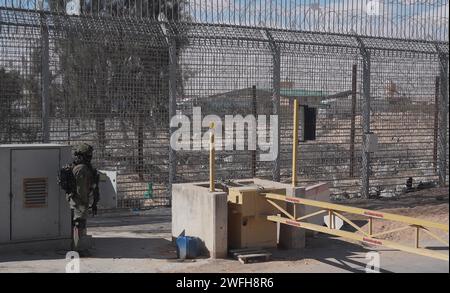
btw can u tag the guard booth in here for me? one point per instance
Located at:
(33, 209)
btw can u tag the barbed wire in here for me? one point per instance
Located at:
(407, 19)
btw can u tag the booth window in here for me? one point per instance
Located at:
(310, 123)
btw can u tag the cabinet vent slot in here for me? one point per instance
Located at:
(35, 192)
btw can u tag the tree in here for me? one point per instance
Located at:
(153, 9)
(115, 74)
(12, 109)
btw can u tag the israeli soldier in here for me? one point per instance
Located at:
(85, 189)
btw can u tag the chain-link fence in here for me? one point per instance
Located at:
(115, 82)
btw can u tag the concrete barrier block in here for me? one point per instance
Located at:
(319, 192)
(293, 237)
(197, 212)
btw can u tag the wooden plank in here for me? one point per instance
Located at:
(311, 215)
(254, 255)
(350, 223)
(435, 236)
(390, 231)
(362, 238)
(246, 255)
(236, 254)
(281, 209)
(358, 211)
(249, 258)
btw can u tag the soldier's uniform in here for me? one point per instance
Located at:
(85, 184)
(86, 188)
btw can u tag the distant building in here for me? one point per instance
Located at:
(241, 102)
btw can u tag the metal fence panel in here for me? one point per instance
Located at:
(20, 77)
(404, 117)
(116, 82)
(224, 78)
(322, 77)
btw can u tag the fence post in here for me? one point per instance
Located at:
(365, 168)
(436, 123)
(443, 99)
(140, 142)
(276, 83)
(255, 114)
(45, 80)
(172, 112)
(353, 120)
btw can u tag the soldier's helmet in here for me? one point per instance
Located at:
(83, 150)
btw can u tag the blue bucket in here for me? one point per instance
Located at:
(187, 247)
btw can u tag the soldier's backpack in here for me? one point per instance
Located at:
(66, 179)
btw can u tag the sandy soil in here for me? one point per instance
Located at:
(430, 204)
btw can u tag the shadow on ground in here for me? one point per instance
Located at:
(116, 248)
(131, 220)
(108, 247)
(134, 239)
(330, 251)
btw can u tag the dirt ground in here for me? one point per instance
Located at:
(429, 204)
(141, 242)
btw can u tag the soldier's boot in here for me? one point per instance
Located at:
(81, 241)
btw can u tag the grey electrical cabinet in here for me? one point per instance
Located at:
(33, 208)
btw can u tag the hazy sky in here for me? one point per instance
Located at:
(417, 19)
